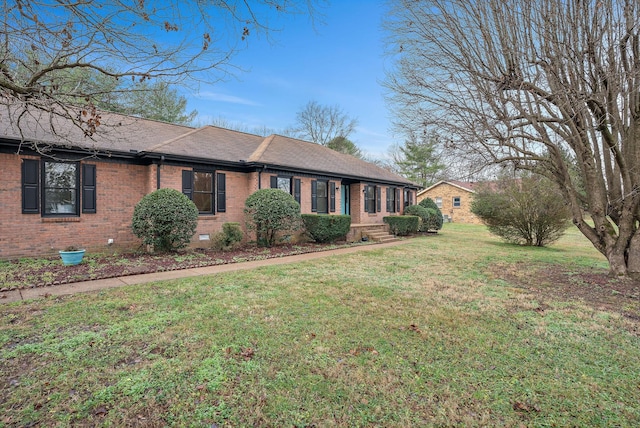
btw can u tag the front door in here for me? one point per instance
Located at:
(345, 208)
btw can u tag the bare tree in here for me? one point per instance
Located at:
(321, 124)
(548, 86)
(44, 43)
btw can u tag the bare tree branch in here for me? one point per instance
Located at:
(45, 42)
(552, 87)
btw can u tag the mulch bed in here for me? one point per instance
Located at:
(110, 266)
(591, 286)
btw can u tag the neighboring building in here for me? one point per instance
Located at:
(454, 200)
(71, 189)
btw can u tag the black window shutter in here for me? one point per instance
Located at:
(221, 187)
(296, 189)
(398, 200)
(378, 199)
(274, 182)
(30, 186)
(314, 196)
(187, 183)
(389, 203)
(89, 188)
(332, 193)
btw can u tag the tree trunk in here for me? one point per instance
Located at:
(617, 263)
(633, 256)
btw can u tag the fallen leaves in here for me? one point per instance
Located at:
(363, 350)
(244, 353)
(519, 406)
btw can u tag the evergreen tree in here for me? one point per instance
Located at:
(346, 146)
(418, 159)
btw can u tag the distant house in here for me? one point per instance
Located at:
(454, 200)
(63, 188)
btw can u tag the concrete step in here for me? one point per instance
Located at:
(380, 235)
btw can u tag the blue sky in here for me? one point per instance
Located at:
(339, 62)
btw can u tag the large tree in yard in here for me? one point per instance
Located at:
(322, 124)
(547, 86)
(45, 46)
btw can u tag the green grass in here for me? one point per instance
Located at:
(420, 334)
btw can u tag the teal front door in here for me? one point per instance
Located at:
(345, 208)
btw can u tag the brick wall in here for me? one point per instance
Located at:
(447, 192)
(119, 187)
(305, 192)
(238, 187)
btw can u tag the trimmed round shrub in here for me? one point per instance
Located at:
(435, 218)
(421, 212)
(229, 238)
(271, 212)
(326, 228)
(165, 219)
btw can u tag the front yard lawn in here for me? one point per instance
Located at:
(455, 329)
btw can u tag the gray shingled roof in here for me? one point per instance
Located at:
(120, 133)
(297, 154)
(211, 143)
(116, 132)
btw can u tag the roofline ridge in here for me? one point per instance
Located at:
(233, 130)
(167, 142)
(449, 182)
(257, 154)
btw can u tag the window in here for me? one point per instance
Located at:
(393, 200)
(372, 199)
(199, 187)
(203, 191)
(438, 202)
(284, 183)
(287, 184)
(58, 187)
(408, 197)
(456, 202)
(323, 197)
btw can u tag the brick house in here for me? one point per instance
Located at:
(454, 200)
(61, 188)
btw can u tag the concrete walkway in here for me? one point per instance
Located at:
(103, 284)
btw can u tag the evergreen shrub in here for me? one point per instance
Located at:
(402, 225)
(327, 228)
(229, 238)
(271, 212)
(165, 219)
(435, 215)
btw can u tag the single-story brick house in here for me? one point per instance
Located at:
(60, 187)
(454, 200)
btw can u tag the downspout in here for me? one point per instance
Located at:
(264, 168)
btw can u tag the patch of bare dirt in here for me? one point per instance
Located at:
(593, 287)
